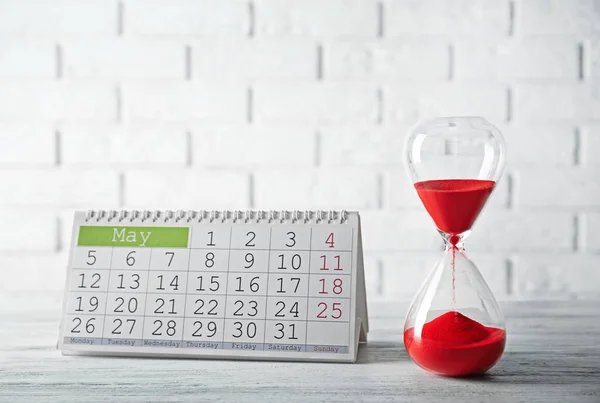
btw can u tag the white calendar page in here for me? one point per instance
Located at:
(215, 285)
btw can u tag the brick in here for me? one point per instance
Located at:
(477, 59)
(27, 59)
(368, 146)
(383, 60)
(411, 101)
(590, 148)
(591, 66)
(558, 187)
(27, 144)
(336, 19)
(186, 190)
(184, 102)
(549, 17)
(57, 101)
(60, 188)
(493, 268)
(372, 280)
(317, 103)
(60, 17)
(556, 58)
(187, 17)
(446, 17)
(539, 58)
(24, 230)
(522, 231)
(465, 100)
(401, 103)
(249, 59)
(592, 232)
(110, 145)
(251, 146)
(557, 276)
(315, 189)
(123, 59)
(551, 102)
(35, 274)
(404, 273)
(387, 231)
(539, 144)
(65, 234)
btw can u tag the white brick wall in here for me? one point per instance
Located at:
(310, 18)
(58, 18)
(122, 59)
(251, 59)
(316, 103)
(302, 104)
(186, 17)
(385, 60)
(538, 58)
(29, 58)
(183, 101)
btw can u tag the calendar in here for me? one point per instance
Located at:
(276, 285)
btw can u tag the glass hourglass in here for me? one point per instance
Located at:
(454, 326)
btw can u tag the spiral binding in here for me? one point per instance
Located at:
(223, 216)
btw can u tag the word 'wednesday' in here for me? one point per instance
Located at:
(171, 237)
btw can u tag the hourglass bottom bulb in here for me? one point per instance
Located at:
(455, 345)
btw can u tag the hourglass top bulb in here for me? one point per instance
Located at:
(454, 164)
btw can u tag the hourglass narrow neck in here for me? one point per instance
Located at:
(454, 240)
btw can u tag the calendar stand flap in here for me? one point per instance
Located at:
(361, 292)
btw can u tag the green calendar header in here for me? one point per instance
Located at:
(157, 237)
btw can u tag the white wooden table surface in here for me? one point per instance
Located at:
(552, 355)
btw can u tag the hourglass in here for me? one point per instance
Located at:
(454, 326)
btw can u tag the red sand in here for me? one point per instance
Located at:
(455, 345)
(454, 204)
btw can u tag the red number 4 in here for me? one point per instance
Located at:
(329, 240)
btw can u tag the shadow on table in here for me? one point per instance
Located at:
(381, 351)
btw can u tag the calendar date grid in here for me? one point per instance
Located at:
(176, 319)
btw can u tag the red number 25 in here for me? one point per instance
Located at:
(335, 307)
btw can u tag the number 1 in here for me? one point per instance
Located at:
(210, 243)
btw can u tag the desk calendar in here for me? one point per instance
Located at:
(216, 284)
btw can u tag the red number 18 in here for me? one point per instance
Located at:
(337, 286)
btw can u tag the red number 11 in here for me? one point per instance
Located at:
(337, 257)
